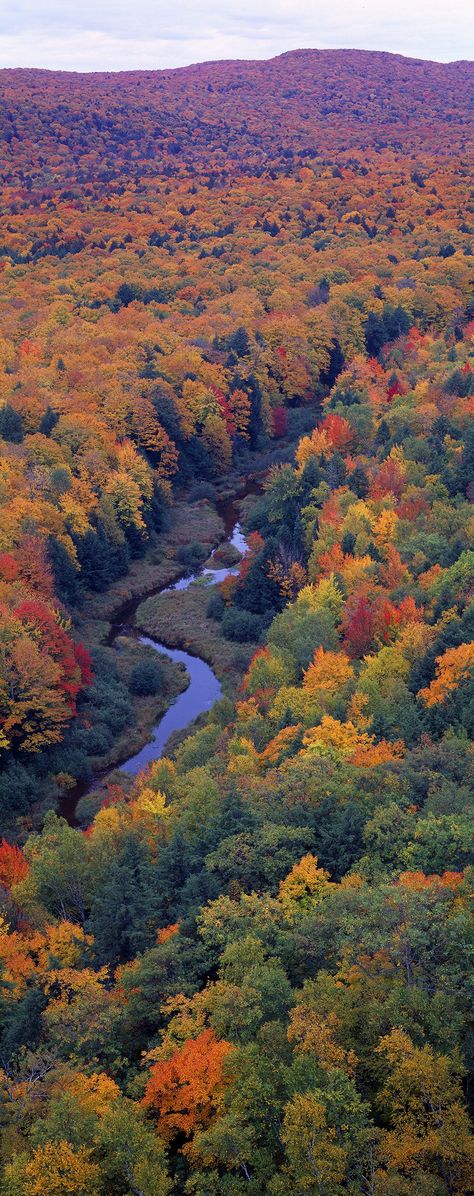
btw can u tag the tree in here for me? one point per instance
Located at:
(429, 1124)
(131, 1154)
(11, 424)
(316, 1162)
(303, 625)
(328, 676)
(65, 572)
(34, 708)
(452, 668)
(186, 1090)
(13, 866)
(123, 917)
(358, 625)
(48, 421)
(55, 1168)
(58, 876)
(304, 886)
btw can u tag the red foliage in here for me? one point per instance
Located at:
(389, 479)
(35, 569)
(225, 409)
(9, 567)
(338, 431)
(83, 658)
(386, 618)
(409, 612)
(358, 625)
(255, 544)
(280, 421)
(410, 508)
(75, 661)
(13, 866)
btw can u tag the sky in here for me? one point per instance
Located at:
(89, 35)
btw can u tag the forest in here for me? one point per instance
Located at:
(248, 968)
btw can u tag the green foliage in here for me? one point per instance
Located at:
(146, 679)
(252, 972)
(11, 424)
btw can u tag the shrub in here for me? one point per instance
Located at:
(241, 625)
(200, 491)
(215, 606)
(146, 679)
(192, 555)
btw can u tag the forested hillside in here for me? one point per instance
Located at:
(251, 972)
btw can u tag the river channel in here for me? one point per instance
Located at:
(204, 688)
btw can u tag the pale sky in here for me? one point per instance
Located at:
(89, 35)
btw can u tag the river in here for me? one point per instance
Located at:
(204, 688)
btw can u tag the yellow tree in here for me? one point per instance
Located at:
(303, 887)
(56, 1169)
(422, 1096)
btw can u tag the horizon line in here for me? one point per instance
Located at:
(248, 61)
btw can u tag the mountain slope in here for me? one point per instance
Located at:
(230, 117)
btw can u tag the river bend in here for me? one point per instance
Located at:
(204, 688)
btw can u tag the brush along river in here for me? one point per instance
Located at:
(203, 689)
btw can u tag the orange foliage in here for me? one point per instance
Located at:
(329, 671)
(186, 1090)
(453, 667)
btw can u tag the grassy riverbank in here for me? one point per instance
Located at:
(189, 525)
(178, 618)
(181, 619)
(113, 722)
(147, 709)
(160, 566)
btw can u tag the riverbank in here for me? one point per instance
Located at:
(95, 626)
(159, 567)
(114, 722)
(189, 685)
(181, 619)
(202, 536)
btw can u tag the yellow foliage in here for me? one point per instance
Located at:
(243, 757)
(316, 1161)
(150, 804)
(312, 448)
(328, 673)
(453, 667)
(429, 1124)
(304, 886)
(56, 1169)
(108, 825)
(316, 1035)
(414, 639)
(326, 595)
(386, 528)
(93, 1094)
(348, 741)
(64, 945)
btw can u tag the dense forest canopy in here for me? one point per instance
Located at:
(233, 118)
(250, 972)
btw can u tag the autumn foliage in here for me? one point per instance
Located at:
(185, 1091)
(247, 969)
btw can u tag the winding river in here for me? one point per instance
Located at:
(204, 688)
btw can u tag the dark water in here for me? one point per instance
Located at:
(203, 690)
